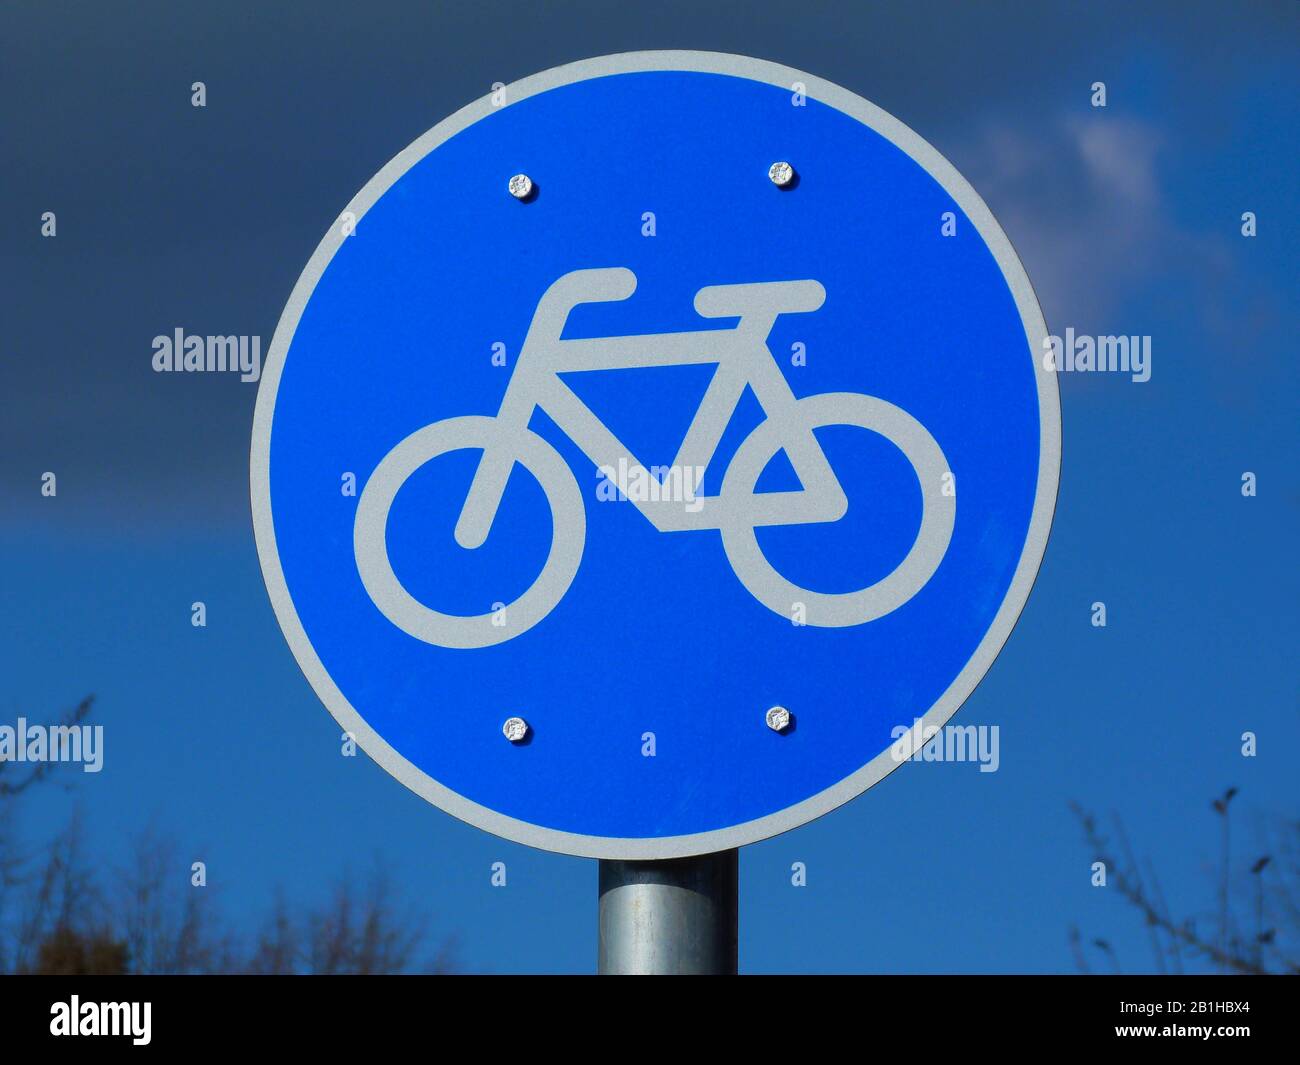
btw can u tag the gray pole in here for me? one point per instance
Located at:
(669, 917)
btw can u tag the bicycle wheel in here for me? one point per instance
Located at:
(568, 533)
(838, 610)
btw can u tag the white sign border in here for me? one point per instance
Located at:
(1049, 459)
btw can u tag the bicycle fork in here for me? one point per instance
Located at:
(490, 479)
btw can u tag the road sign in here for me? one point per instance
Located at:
(646, 445)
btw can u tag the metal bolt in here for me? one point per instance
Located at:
(515, 729)
(782, 174)
(521, 186)
(778, 719)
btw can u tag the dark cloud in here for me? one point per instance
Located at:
(171, 216)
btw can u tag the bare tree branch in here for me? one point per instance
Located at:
(1228, 949)
(57, 917)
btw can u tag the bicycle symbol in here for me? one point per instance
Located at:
(743, 359)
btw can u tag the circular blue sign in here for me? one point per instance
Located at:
(646, 446)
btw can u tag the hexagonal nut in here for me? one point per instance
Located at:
(778, 719)
(520, 186)
(515, 729)
(781, 173)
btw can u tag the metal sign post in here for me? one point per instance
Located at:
(643, 447)
(676, 917)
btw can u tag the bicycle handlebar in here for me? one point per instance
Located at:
(604, 285)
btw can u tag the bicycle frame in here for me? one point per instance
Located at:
(743, 359)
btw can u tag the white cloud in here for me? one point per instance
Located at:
(1080, 199)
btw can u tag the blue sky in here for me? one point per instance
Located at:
(1128, 221)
